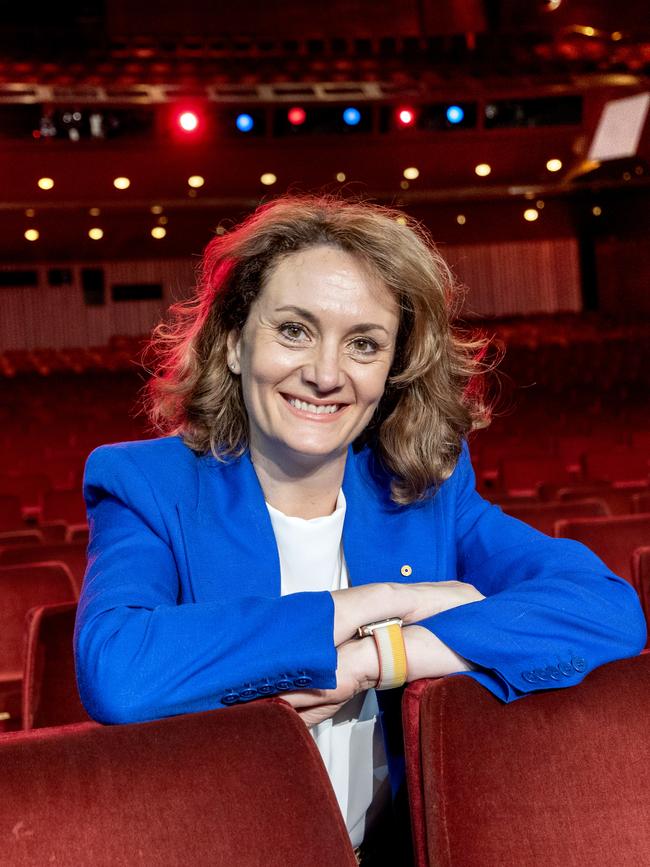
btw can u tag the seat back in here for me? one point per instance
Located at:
(228, 788)
(613, 538)
(11, 516)
(619, 500)
(561, 777)
(519, 473)
(641, 502)
(543, 516)
(21, 588)
(72, 554)
(616, 465)
(49, 692)
(67, 506)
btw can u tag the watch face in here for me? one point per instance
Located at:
(369, 628)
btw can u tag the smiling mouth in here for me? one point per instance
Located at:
(315, 409)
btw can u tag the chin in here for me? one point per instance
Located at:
(305, 450)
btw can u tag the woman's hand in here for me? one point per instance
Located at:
(357, 670)
(356, 606)
(358, 664)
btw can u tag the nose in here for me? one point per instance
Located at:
(324, 371)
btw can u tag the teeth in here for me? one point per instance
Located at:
(311, 407)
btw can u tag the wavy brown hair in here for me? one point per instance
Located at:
(431, 400)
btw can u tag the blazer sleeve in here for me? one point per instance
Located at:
(553, 610)
(141, 655)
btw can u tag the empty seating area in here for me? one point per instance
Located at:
(570, 458)
(50, 423)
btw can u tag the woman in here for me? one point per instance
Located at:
(315, 480)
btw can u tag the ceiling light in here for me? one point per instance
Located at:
(483, 170)
(121, 183)
(45, 183)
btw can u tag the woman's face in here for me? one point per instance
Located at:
(314, 356)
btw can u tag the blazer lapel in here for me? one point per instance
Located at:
(386, 542)
(228, 538)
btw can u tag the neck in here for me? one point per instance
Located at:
(300, 492)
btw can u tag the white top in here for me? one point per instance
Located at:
(351, 743)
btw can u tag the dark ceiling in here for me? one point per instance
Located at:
(142, 63)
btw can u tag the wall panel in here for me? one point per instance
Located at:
(518, 277)
(502, 279)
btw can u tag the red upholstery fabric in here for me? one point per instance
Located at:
(77, 534)
(414, 767)
(73, 555)
(558, 779)
(28, 486)
(11, 516)
(614, 538)
(22, 588)
(49, 690)
(63, 505)
(20, 537)
(641, 502)
(525, 473)
(238, 787)
(616, 465)
(619, 499)
(544, 515)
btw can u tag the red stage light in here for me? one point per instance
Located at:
(405, 116)
(188, 121)
(296, 116)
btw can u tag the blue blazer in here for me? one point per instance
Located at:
(181, 609)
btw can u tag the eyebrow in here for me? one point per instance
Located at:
(306, 314)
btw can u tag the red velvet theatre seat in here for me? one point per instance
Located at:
(230, 788)
(556, 779)
(22, 588)
(50, 695)
(614, 538)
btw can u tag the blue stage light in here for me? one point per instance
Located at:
(455, 114)
(352, 116)
(244, 122)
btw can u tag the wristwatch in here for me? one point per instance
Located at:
(390, 650)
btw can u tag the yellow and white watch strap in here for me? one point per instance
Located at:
(390, 649)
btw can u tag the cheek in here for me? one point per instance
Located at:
(266, 365)
(374, 384)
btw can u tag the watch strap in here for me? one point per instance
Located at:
(389, 642)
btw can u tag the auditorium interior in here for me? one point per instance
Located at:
(133, 134)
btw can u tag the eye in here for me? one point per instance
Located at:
(364, 346)
(291, 330)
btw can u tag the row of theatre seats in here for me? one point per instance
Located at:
(239, 787)
(559, 779)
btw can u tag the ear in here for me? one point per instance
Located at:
(233, 343)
